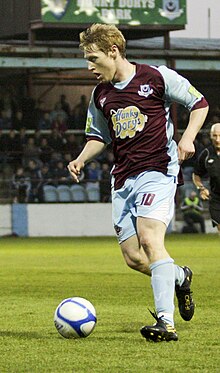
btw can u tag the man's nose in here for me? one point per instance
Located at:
(90, 66)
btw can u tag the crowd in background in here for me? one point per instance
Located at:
(36, 145)
(25, 112)
(41, 159)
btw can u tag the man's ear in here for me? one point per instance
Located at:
(113, 51)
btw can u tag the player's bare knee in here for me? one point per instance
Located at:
(145, 241)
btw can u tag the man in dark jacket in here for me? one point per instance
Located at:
(208, 165)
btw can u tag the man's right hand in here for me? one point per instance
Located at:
(204, 194)
(74, 168)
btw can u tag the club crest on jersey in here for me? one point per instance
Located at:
(127, 121)
(145, 90)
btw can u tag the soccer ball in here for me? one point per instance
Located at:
(75, 318)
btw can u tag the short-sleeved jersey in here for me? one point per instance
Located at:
(135, 116)
(208, 164)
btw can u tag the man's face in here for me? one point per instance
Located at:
(100, 64)
(215, 136)
(192, 196)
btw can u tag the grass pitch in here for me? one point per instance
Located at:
(36, 274)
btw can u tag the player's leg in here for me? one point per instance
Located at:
(155, 209)
(135, 256)
(124, 219)
(125, 227)
(151, 233)
(124, 214)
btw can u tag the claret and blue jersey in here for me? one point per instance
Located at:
(135, 117)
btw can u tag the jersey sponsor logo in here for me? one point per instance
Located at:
(193, 91)
(147, 199)
(128, 121)
(145, 90)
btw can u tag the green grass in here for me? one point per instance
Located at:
(36, 274)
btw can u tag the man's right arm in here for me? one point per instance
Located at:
(91, 150)
(200, 171)
(203, 191)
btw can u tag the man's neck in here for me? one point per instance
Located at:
(124, 71)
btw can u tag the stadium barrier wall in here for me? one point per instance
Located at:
(5, 220)
(64, 220)
(56, 220)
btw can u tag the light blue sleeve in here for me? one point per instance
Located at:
(96, 123)
(179, 89)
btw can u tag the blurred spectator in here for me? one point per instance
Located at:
(20, 186)
(109, 158)
(18, 121)
(56, 141)
(31, 151)
(55, 157)
(46, 178)
(33, 173)
(79, 113)
(71, 121)
(60, 124)
(13, 148)
(23, 137)
(67, 158)
(37, 137)
(105, 183)
(58, 111)
(192, 209)
(45, 150)
(5, 121)
(44, 122)
(39, 111)
(61, 174)
(8, 103)
(71, 145)
(92, 171)
(65, 106)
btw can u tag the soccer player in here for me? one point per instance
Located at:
(208, 163)
(130, 108)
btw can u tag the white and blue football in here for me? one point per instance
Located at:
(75, 318)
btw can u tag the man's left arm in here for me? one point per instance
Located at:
(179, 89)
(186, 148)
